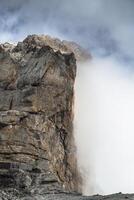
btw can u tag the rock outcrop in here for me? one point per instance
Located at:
(58, 45)
(36, 117)
(37, 150)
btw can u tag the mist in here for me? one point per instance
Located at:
(104, 126)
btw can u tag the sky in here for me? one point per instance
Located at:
(104, 27)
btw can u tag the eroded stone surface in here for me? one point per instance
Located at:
(36, 118)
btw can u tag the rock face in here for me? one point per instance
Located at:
(36, 117)
(37, 150)
(58, 45)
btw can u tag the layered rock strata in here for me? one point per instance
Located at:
(36, 117)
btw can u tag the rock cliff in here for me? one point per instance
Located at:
(36, 116)
(37, 150)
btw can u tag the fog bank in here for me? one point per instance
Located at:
(104, 126)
